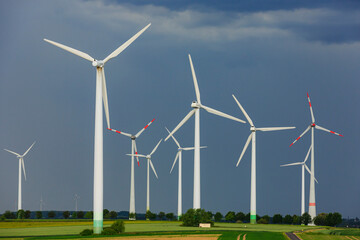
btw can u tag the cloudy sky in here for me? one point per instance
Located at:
(269, 54)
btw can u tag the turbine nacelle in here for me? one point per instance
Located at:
(253, 129)
(312, 125)
(98, 63)
(133, 137)
(195, 104)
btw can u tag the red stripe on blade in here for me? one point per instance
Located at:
(139, 164)
(291, 144)
(340, 135)
(298, 138)
(146, 127)
(310, 104)
(153, 120)
(117, 131)
(307, 94)
(332, 132)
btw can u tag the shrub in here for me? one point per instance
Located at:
(108, 231)
(195, 216)
(86, 232)
(118, 226)
(263, 221)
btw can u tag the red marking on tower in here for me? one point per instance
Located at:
(311, 204)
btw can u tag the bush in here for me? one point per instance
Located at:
(193, 217)
(86, 232)
(263, 221)
(80, 214)
(27, 214)
(9, 215)
(108, 231)
(118, 226)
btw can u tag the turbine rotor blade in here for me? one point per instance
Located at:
(245, 147)
(197, 92)
(307, 129)
(311, 110)
(143, 129)
(267, 129)
(307, 169)
(29, 149)
(123, 133)
(72, 50)
(176, 157)
(327, 130)
(192, 148)
(13, 152)
(221, 114)
(153, 151)
(136, 153)
(307, 155)
(176, 142)
(105, 98)
(244, 112)
(291, 164)
(181, 123)
(126, 44)
(152, 167)
(23, 167)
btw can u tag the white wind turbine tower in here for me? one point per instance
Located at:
(101, 95)
(252, 137)
(312, 206)
(41, 203)
(76, 198)
(179, 156)
(149, 163)
(132, 177)
(196, 105)
(21, 165)
(303, 167)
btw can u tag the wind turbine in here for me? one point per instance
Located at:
(312, 206)
(149, 162)
(303, 167)
(132, 178)
(179, 156)
(41, 203)
(101, 95)
(21, 165)
(196, 105)
(252, 137)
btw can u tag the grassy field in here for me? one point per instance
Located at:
(71, 229)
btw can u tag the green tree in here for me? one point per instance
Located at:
(277, 219)
(9, 215)
(148, 214)
(118, 226)
(337, 218)
(305, 218)
(170, 216)
(240, 216)
(230, 216)
(247, 217)
(74, 215)
(66, 214)
(263, 221)
(20, 214)
(210, 214)
(161, 215)
(51, 214)
(106, 213)
(80, 214)
(320, 219)
(288, 219)
(195, 216)
(88, 215)
(38, 214)
(113, 214)
(296, 219)
(132, 215)
(218, 216)
(27, 214)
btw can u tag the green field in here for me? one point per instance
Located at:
(70, 229)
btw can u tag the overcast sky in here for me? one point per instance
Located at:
(269, 54)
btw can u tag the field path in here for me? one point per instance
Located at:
(292, 236)
(244, 237)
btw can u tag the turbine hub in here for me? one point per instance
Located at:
(195, 104)
(133, 137)
(252, 128)
(98, 63)
(313, 125)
